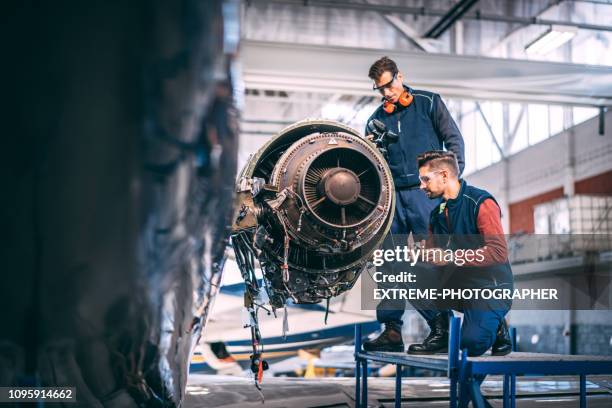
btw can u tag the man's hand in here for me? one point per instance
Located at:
(370, 137)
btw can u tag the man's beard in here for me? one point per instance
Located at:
(432, 195)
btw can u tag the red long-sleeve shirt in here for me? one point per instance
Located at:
(489, 225)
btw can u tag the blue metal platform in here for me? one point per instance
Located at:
(467, 373)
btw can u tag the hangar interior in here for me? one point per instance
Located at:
(535, 118)
(133, 263)
(536, 124)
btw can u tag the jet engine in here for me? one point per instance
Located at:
(313, 204)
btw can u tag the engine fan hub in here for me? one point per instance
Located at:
(341, 186)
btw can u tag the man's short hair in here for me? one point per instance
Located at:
(438, 159)
(380, 66)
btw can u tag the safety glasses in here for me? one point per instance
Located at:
(427, 177)
(384, 86)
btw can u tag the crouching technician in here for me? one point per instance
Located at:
(467, 219)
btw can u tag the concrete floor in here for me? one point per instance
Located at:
(223, 391)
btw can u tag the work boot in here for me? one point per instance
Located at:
(503, 343)
(437, 341)
(389, 340)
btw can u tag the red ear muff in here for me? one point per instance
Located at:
(405, 98)
(388, 107)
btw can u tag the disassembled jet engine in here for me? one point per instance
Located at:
(313, 204)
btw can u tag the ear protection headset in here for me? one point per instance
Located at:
(404, 100)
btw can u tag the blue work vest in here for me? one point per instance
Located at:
(458, 229)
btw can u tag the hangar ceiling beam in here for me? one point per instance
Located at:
(409, 33)
(343, 70)
(406, 31)
(510, 35)
(448, 19)
(422, 11)
(608, 2)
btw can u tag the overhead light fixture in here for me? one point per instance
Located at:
(555, 37)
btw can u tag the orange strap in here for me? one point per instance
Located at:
(260, 371)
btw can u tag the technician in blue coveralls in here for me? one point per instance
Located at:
(422, 122)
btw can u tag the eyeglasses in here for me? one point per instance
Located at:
(427, 177)
(384, 86)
